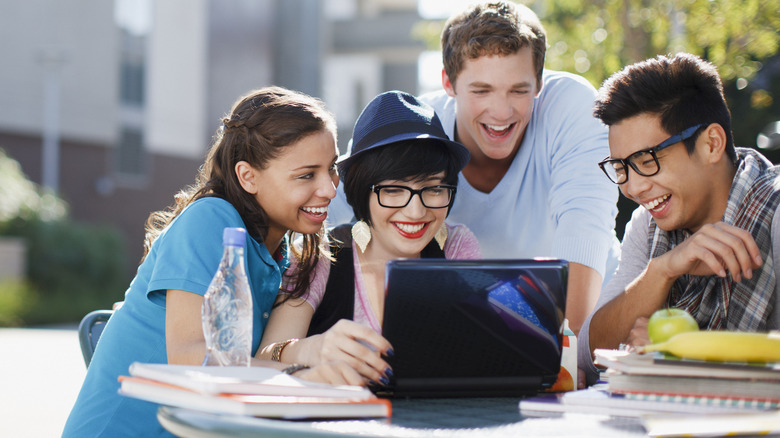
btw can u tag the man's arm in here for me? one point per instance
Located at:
(612, 323)
(715, 249)
(633, 261)
(583, 291)
(582, 201)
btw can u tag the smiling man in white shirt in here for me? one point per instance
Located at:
(530, 188)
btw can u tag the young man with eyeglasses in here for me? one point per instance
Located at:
(705, 232)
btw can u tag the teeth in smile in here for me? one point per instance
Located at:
(498, 127)
(654, 203)
(408, 228)
(315, 210)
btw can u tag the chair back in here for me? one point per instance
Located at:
(90, 329)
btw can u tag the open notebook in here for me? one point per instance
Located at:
(474, 327)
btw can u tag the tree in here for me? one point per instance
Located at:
(597, 38)
(71, 268)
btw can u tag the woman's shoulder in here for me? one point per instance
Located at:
(211, 211)
(211, 204)
(200, 218)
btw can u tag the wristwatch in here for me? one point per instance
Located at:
(276, 353)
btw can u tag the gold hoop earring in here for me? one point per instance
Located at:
(361, 235)
(441, 236)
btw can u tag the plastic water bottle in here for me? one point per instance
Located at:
(227, 306)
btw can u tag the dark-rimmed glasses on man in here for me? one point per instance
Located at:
(644, 162)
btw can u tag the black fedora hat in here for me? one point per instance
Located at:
(392, 117)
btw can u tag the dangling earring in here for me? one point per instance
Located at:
(361, 235)
(441, 236)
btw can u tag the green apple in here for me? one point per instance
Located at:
(665, 323)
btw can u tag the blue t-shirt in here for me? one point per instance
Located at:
(185, 257)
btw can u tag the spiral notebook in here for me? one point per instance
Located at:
(474, 327)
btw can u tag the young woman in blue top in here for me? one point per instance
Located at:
(270, 170)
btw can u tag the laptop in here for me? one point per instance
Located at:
(485, 328)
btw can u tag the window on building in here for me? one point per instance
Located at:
(131, 155)
(132, 83)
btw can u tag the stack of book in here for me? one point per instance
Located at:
(672, 397)
(660, 377)
(252, 391)
(709, 398)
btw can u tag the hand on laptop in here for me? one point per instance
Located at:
(353, 343)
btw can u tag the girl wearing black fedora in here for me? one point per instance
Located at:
(400, 179)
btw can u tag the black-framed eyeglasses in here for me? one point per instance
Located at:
(393, 196)
(644, 162)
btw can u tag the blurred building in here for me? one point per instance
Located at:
(114, 108)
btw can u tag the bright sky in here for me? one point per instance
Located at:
(134, 15)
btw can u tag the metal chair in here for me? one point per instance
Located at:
(90, 329)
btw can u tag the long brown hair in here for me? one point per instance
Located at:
(260, 125)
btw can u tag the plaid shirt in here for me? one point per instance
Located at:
(722, 303)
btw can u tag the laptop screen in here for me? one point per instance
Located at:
(466, 327)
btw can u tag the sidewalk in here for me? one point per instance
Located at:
(41, 370)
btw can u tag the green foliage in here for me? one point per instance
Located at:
(17, 297)
(20, 198)
(71, 268)
(597, 38)
(74, 268)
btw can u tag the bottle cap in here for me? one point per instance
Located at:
(234, 237)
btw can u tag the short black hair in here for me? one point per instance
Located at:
(683, 90)
(407, 160)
